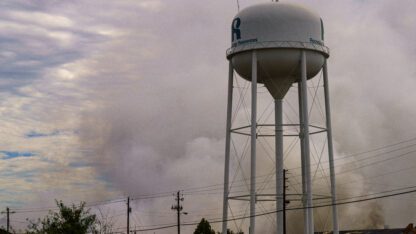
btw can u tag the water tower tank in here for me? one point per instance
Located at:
(278, 32)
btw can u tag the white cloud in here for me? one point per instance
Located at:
(151, 5)
(41, 19)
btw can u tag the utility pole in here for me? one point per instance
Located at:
(284, 201)
(128, 215)
(178, 209)
(7, 218)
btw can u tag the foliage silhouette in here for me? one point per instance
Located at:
(204, 228)
(67, 220)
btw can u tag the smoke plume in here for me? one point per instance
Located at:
(165, 130)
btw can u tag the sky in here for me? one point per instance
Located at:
(100, 100)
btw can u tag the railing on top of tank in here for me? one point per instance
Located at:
(278, 44)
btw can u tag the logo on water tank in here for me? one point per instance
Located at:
(236, 34)
(235, 29)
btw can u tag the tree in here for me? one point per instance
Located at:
(231, 232)
(104, 224)
(204, 228)
(3, 231)
(68, 220)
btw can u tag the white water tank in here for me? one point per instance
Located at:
(278, 32)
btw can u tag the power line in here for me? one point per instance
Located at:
(342, 172)
(91, 204)
(299, 208)
(289, 209)
(193, 191)
(344, 157)
(208, 188)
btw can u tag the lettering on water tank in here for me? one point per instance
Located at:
(236, 34)
(314, 41)
(234, 44)
(235, 29)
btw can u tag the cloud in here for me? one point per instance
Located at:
(42, 19)
(41, 73)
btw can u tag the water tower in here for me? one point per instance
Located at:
(279, 45)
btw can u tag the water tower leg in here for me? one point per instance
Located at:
(302, 161)
(227, 148)
(330, 151)
(305, 145)
(278, 110)
(253, 142)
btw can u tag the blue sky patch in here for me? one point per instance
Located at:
(15, 154)
(35, 134)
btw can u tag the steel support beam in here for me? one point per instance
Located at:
(330, 151)
(227, 147)
(278, 110)
(253, 143)
(304, 137)
(302, 159)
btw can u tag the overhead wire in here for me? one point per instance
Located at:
(195, 190)
(390, 157)
(215, 187)
(43, 209)
(338, 203)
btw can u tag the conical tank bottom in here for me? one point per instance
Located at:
(278, 87)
